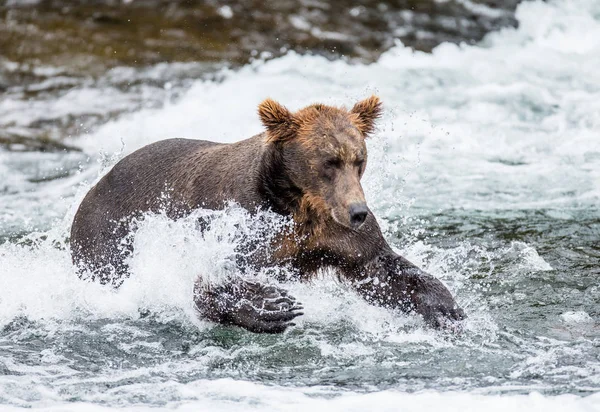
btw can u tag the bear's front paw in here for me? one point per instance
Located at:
(253, 306)
(433, 301)
(394, 282)
(266, 309)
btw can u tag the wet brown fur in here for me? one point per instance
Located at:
(311, 126)
(306, 165)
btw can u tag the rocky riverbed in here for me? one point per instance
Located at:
(139, 53)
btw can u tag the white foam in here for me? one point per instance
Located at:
(498, 126)
(233, 395)
(527, 257)
(578, 317)
(38, 280)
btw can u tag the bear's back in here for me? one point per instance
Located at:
(147, 178)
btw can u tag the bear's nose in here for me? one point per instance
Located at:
(358, 214)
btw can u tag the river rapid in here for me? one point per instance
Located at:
(484, 171)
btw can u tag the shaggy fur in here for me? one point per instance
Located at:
(306, 165)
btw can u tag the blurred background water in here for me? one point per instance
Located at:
(485, 171)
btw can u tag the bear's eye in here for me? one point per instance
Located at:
(333, 163)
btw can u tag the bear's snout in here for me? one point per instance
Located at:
(358, 214)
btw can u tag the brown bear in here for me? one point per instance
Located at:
(306, 166)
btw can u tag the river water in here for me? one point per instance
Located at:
(485, 171)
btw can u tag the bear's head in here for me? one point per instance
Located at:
(322, 153)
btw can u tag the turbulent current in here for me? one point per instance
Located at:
(485, 171)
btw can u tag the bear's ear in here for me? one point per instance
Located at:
(279, 121)
(367, 112)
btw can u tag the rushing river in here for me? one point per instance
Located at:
(485, 171)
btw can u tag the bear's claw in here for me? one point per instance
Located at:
(255, 307)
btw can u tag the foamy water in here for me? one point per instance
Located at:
(485, 171)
